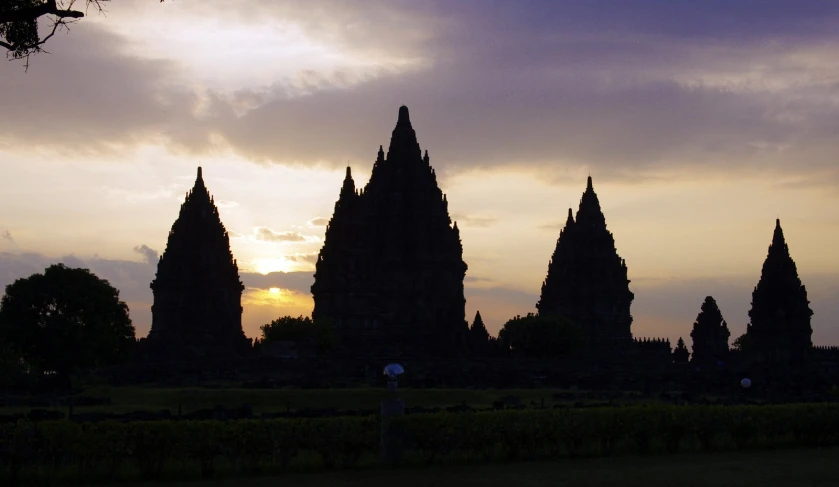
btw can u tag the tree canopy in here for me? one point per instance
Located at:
(64, 320)
(300, 329)
(742, 343)
(540, 336)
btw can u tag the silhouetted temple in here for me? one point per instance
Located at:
(680, 353)
(780, 328)
(390, 272)
(586, 280)
(197, 291)
(710, 334)
(479, 336)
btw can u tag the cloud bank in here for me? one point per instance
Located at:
(661, 87)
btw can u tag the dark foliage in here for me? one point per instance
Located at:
(64, 320)
(540, 336)
(300, 329)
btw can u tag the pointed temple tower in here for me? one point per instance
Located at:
(780, 328)
(197, 291)
(479, 336)
(586, 279)
(710, 334)
(390, 272)
(680, 353)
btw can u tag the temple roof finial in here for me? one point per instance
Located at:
(348, 188)
(199, 179)
(589, 186)
(778, 235)
(403, 115)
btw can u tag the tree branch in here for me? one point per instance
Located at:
(30, 13)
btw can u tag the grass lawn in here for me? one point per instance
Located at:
(778, 468)
(127, 399)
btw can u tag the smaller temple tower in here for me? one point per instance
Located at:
(197, 292)
(780, 329)
(680, 353)
(710, 334)
(479, 336)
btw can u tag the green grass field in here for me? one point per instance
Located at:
(126, 399)
(778, 468)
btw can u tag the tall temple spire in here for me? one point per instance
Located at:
(780, 315)
(390, 272)
(197, 291)
(589, 214)
(403, 116)
(778, 236)
(348, 189)
(587, 279)
(403, 141)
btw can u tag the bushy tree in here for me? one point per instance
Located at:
(300, 330)
(742, 343)
(12, 367)
(540, 336)
(65, 320)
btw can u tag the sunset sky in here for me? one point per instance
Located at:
(700, 123)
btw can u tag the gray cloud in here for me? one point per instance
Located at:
(268, 235)
(89, 97)
(300, 282)
(548, 85)
(150, 256)
(7, 235)
(226, 204)
(311, 257)
(473, 221)
(318, 222)
(477, 279)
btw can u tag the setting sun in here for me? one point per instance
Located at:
(274, 290)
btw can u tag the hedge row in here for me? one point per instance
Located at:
(107, 451)
(544, 434)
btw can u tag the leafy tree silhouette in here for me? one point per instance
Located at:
(743, 343)
(301, 329)
(65, 320)
(540, 336)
